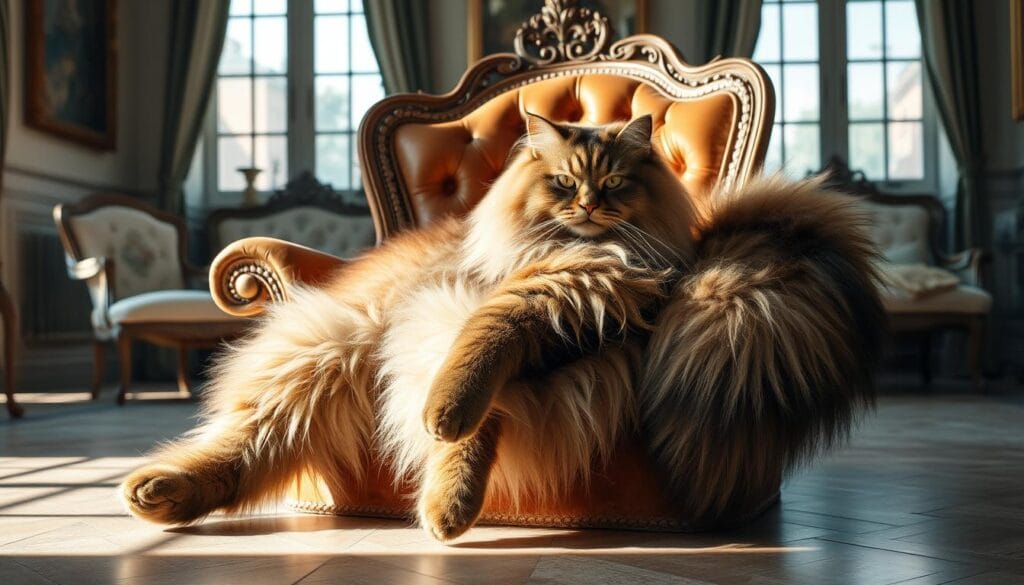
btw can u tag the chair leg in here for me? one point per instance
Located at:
(975, 347)
(99, 362)
(183, 385)
(925, 355)
(124, 350)
(10, 339)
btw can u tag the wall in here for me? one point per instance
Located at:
(42, 170)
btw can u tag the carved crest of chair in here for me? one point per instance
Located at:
(426, 156)
(906, 229)
(133, 259)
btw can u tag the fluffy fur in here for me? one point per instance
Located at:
(507, 352)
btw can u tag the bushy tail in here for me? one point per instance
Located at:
(766, 353)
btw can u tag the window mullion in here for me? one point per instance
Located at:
(300, 86)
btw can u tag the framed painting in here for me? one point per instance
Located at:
(492, 24)
(71, 70)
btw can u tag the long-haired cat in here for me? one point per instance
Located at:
(507, 351)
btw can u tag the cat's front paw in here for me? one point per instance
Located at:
(446, 513)
(456, 407)
(161, 494)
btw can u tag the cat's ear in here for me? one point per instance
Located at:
(636, 135)
(542, 133)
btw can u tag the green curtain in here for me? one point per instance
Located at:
(949, 44)
(399, 34)
(197, 37)
(730, 28)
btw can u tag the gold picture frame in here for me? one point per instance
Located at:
(478, 39)
(1017, 58)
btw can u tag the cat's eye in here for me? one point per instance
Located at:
(613, 182)
(565, 181)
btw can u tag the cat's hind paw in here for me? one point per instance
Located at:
(162, 494)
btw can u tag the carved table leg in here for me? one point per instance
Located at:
(10, 327)
(98, 367)
(183, 386)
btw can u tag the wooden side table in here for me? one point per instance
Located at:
(10, 327)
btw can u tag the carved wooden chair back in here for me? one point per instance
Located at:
(424, 156)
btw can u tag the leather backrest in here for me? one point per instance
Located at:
(447, 167)
(426, 156)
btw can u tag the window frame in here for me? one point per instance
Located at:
(301, 115)
(834, 105)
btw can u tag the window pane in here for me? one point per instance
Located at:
(236, 57)
(332, 103)
(271, 104)
(864, 91)
(271, 45)
(864, 30)
(272, 157)
(233, 152)
(363, 57)
(775, 74)
(867, 149)
(234, 105)
(240, 7)
(800, 32)
(906, 150)
(270, 6)
(331, 36)
(768, 39)
(334, 159)
(803, 149)
(773, 158)
(366, 91)
(801, 96)
(905, 96)
(330, 6)
(357, 6)
(902, 34)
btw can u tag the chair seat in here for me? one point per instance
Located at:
(168, 306)
(963, 300)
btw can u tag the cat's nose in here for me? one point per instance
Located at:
(590, 207)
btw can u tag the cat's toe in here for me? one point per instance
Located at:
(445, 521)
(160, 494)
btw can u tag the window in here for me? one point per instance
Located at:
(850, 82)
(294, 80)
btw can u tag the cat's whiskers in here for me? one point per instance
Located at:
(644, 250)
(648, 236)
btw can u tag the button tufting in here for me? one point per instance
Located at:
(448, 186)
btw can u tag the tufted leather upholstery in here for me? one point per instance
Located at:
(447, 167)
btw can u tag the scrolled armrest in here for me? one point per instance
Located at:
(87, 268)
(967, 264)
(253, 272)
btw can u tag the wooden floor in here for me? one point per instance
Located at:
(930, 491)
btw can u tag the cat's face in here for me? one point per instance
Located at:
(588, 178)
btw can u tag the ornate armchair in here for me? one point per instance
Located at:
(305, 212)
(906, 230)
(425, 156)
(132, 257)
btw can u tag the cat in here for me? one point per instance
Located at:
(586, 297)
(460, 351)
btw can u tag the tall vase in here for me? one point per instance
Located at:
(249, 195)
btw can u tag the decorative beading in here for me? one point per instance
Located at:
(248, 278)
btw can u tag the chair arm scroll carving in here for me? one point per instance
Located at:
(252, 273)
(967, 264)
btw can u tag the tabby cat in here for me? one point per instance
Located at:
(507, 352)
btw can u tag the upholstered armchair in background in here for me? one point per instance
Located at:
(927, 289)
(132, 257)
(425, 156)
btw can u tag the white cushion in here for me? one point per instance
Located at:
(965, 300)
(167, 306)
(900, 232)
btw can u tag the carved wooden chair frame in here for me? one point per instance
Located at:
(182, 336)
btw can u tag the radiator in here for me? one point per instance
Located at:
(53, 309)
